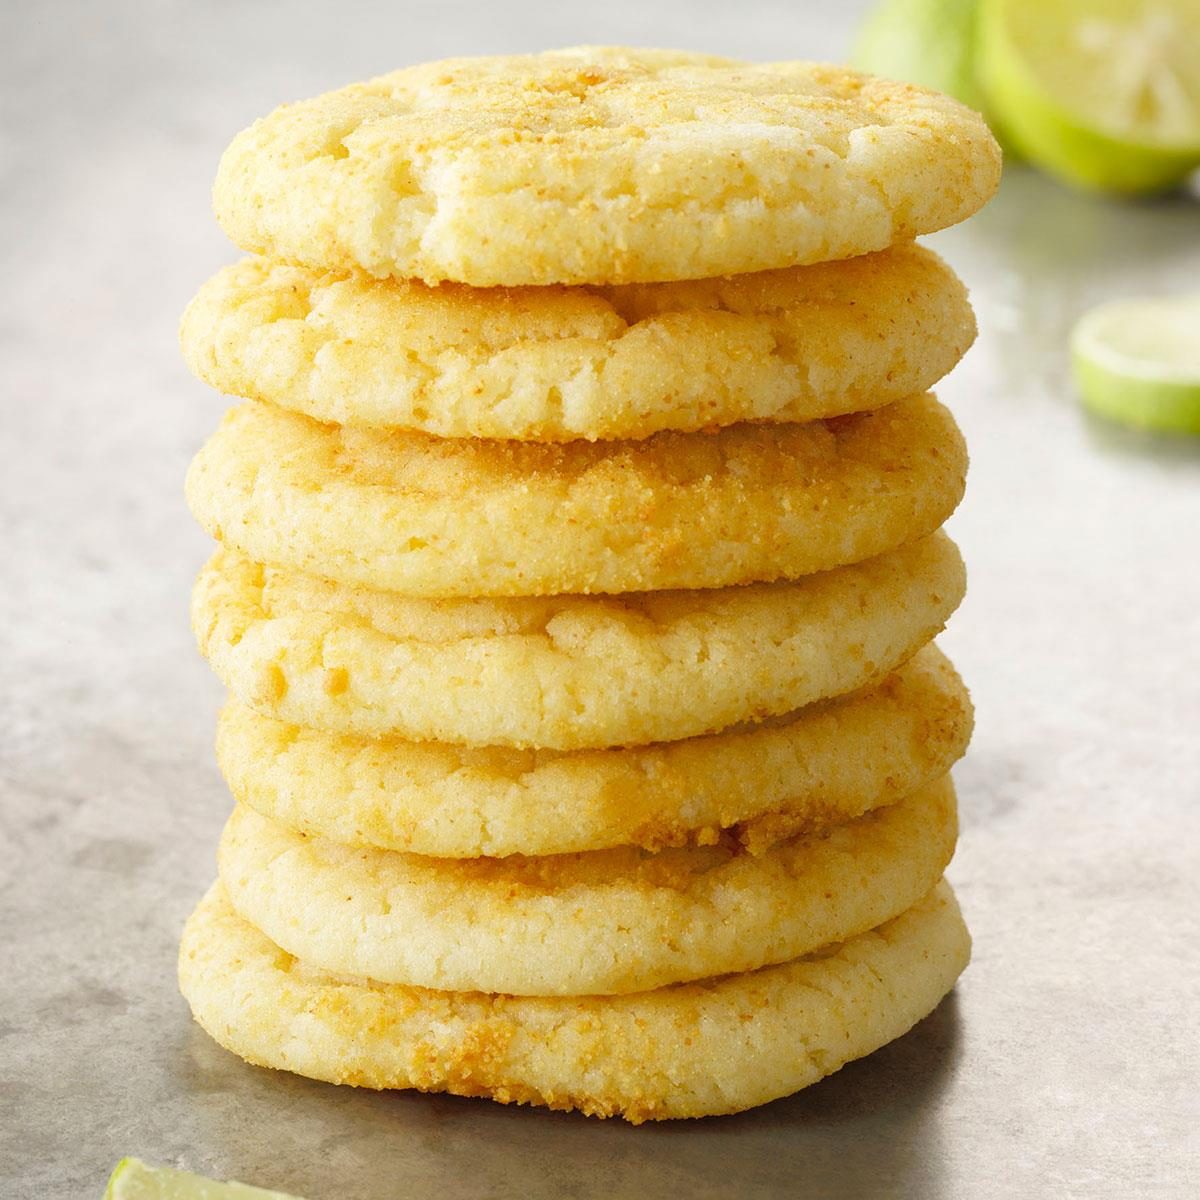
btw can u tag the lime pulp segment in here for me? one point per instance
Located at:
(1103, 93)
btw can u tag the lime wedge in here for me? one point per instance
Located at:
(930, 42)
(1138, 362)
(1105, 94)
(133, 1179)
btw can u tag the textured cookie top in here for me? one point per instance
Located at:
(801, 773)
(427, 516)
(553, 364)
(598, 923)
(602, 165)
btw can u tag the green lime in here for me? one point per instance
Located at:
(1138, 362)
(1105, 94)
(135, 1180)
(930, 42)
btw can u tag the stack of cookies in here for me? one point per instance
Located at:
(579, 564)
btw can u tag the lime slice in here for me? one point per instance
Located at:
(930, 42)
(1104, 94)
(135, 1180)
(1138, 362)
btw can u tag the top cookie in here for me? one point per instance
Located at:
(602, 165)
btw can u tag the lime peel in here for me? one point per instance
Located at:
(133, 1179)
(1137, 361)
(928, 42)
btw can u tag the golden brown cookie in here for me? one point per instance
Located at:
(692, 1050)
(433, 517)
(554, 364)
(800, 773)
(565, 672)
(602, 165)
(601, 922)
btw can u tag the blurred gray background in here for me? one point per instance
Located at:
(1065, 1064)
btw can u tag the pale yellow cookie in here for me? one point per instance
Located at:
(566, 672)
(553, 364)
(602, 922)
(433, 517)
(824, 765)
(602, 165)
(692, 1050)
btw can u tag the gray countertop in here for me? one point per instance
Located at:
(1066, 1064)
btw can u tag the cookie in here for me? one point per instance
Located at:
(692, 1050)
(434, 517)
(602, 165)
(555, 364)
(602, 922)
(801, 773)
(564, 673)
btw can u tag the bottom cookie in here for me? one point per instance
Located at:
(690, 1050)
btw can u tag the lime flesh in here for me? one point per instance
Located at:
(1138, 362)
(133, 1179)
(1105, 94)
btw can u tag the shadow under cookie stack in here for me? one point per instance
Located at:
(579, 562)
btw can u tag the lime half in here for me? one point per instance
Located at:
(135, 1180)
(1104, 94)
(1138, 362)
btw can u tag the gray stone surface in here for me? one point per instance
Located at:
(1065, 1065)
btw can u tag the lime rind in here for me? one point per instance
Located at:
(133, 1179)
(1053, 131)
(1138, 362)
(122, 1169)
(928, 42)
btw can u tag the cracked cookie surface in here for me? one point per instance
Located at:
(600, 922)
(799, 773)
(434, 517)
(602, 165)
(554, 364)
(565, 672)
